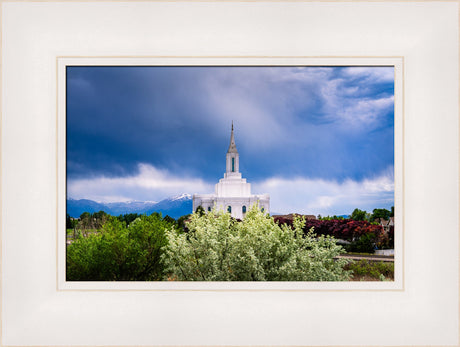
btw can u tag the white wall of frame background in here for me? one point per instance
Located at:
(423, 311)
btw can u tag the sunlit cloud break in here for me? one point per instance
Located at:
(325, 197)
(148, 184)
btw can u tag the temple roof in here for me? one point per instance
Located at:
(232, 147)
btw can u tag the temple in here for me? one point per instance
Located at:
(232, 193)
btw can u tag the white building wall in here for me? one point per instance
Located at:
(233, 188)
(220, 203)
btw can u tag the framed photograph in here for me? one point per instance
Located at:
(184, 107)
(178, 114)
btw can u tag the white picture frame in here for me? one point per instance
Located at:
(421, 307)
(64, 62)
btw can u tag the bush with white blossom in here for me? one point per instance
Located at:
(220, 248)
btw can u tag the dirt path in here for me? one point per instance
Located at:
(385, 258)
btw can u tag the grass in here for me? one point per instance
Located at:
(365, 270)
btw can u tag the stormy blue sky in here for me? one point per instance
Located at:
(319, 140)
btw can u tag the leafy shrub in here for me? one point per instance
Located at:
(128, 217)
(218, 248)
(365, 244)
(371, 269)
(119, 253)
(181, 222)
(345, 229)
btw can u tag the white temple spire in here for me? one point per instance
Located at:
(232, 146)
(232, 159)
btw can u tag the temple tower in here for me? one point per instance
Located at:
(232, 193)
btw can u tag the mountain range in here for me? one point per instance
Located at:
(174, 206)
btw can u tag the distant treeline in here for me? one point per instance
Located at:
(360, 215)
(96, 220)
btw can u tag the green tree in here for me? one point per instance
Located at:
(358, 214)
(70, 222)
(334, 217)
(181, 222)
(219, 248)
(128, 217)
(364, 244)
(99, 219)
(169, 219)
(200, 210)
(119, 253)
(380, 213)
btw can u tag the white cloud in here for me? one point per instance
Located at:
(370, 73)
(366, 111)
(148, 184)
(317, 196)
(301, 195)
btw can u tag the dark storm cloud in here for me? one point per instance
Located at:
(316, 122)
(120, 116)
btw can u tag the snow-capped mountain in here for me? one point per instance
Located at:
(130, 206)
(175, 206)
(184, 196)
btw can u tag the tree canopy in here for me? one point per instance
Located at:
(380, 213)
(117, 252)
(358, 214)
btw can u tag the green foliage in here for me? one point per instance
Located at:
(200, 210)
(128, 217)
(372, 269)
(218, 248)
(181, 222)
(380, 213)
(334, 217)
(119, 253)
(91, 221)
(358, 214)
(70, 222)
(169, 219)
(364, 244)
